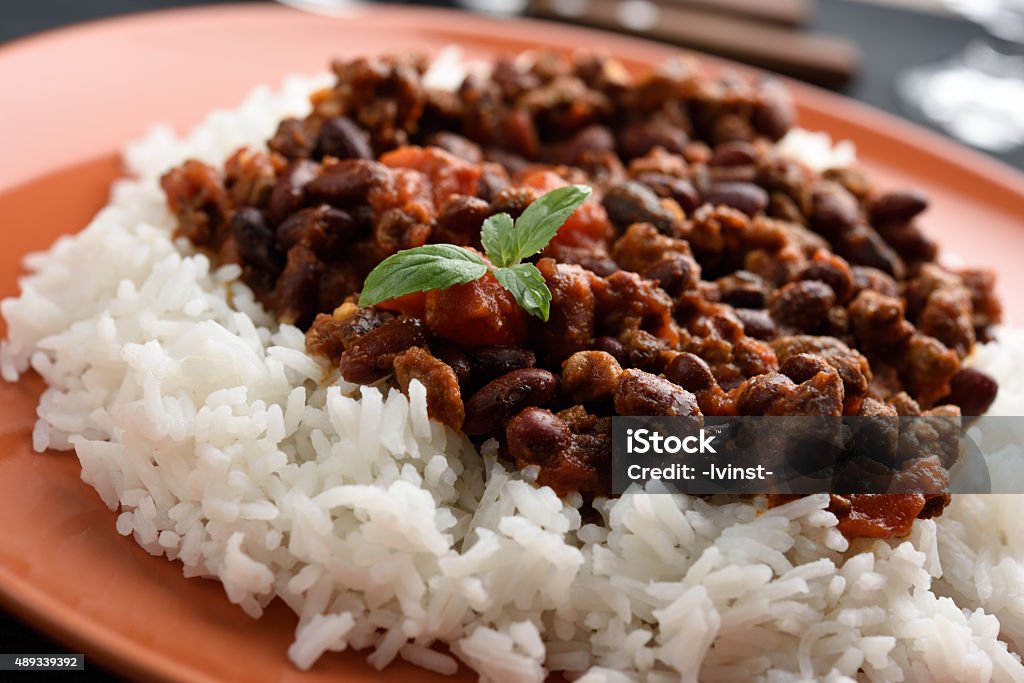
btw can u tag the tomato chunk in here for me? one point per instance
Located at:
(588, 225)
(413, 305)
(447, 173)
(478, 313)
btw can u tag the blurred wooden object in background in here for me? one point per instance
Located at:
(786, 12)
(725, 30)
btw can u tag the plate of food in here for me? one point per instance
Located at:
(317, 382)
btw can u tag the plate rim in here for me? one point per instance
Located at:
(34, 606)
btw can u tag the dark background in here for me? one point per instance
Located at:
(890, 40)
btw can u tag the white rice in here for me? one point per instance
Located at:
(207, 428)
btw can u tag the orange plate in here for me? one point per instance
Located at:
(85, 91)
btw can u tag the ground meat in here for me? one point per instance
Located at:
(947, 316)
(641, 393)
(572, 449)
(625, 299)
(985, 305)
(878, 321)
(658, 257)
(706, 275)
(590, 376)
(570, 326)
(805, 385)
(444, 399)
(852, 366)
(296, 138)
(333, 333)
(197, 198)
(250, 176)
(927, 367)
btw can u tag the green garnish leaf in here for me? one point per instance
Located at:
(432, 266)
(527, 285)
(506, 242)
(542, 219)
(499, 240)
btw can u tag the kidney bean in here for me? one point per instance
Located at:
(491, 406)
(514, 164)
(537, 436)
(672, 187)
(587, 141)
(341, 137)
(783, 206)
(346, 181)
(371, 356)
(489, 362)
(295, 294)
(863, 246)
(632, 202)
(514, 200)
(637, 139)
(802, 305)
(255, 240)
(898, 207)
(757, 394)
(457, 145)
(331, 334)
(748, 198)
(878, 320)
(690, 371)
(460, 220)
(873, 279)
(833, 271)
(641, 393)
(323, 228)
(973, 390)
(521, 132)
(493, 179)
(834, 210)
(854, 179)
(774, 114)
(456, 359)
(801, 367)
(909, 241)
(288, 194)
(673, 273)
(927, 368)
(611, 346)
(727, 127)
(736, 153)
(743, 289)
(756, 323)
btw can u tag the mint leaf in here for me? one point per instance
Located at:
(498, 240)
(528, 287)
(542, 219)
(506, 242)
(432, 266)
